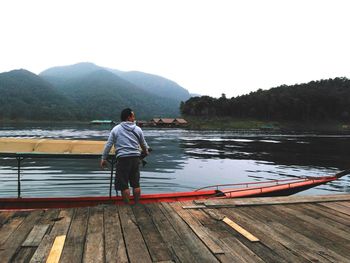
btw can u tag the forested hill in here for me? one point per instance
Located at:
(102, 94)
(81, 92)
(25, 95)
(313, 101)
(155, 84)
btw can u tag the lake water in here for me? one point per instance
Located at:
(181, 160)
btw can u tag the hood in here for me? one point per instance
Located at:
(128, 125)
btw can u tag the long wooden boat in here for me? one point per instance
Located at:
(256, 189)
(24, 148)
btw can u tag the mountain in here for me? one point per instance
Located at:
(155, 84)
(25, 95)
(100, 93)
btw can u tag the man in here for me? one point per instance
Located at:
(127, 139)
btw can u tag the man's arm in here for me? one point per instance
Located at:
(107, 149)
(143, 143)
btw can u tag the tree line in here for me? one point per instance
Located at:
(317, 100)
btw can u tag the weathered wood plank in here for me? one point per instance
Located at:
(9, 227)
(241, 230)
(60, 227)
(35, 236)
(25, 253)
(313, 211)
(327, 229)
(332, 214)
(257, 248)
(12, 244)
(94, 244)
(296, 243)
(198, 229)
(338, 207)
(135, 244)
(312, 231)
(219, 232)
(158, 250)
(180, 252)
(198, 249)
(232, 202)
(294, 229)
(75, 239)
(268, 238)
(241, 251)
(4, 216)
(114, 242)
(56, 250)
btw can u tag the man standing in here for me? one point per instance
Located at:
(127, 139)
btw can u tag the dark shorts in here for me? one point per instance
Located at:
(127, 171)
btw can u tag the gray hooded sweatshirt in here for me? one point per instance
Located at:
(124, 140)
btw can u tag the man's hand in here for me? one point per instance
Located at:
(103, 164)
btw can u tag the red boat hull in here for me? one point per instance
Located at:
(273, 189)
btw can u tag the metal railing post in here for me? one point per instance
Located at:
(112, 162)
(19, 159)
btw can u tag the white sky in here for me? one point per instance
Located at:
(207, 46)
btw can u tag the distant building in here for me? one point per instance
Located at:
(168, 122)
(180, 121)
(102, 122)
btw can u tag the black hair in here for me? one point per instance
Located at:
(125, 114)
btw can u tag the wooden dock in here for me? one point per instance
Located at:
(281, 229)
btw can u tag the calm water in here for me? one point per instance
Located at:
(181, 160)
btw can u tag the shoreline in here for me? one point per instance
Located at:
(221, 124)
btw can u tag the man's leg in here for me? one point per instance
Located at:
(137, 193)
(126, 196)
(122, 172)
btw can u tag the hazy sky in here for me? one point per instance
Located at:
(207, 46)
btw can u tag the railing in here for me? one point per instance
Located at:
(246, 185)
(21, 156)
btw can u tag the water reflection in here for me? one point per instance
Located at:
(181, 160)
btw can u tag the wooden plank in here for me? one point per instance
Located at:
(240, 251)
(232, 202)
(180, 251)
(4, 216)
(75, 239)
(56, 250)
(218, 231)
(94, 244)
(202, 232)
(330, 213)
(337, 207)
(295, 243)
(198, 229)
(135, 244)
(198, 249)
(114, 237)
(312, 243)
(320, 215)
(23, 255)
(115, 250)
(9, 227)
(273, 249)
(347, 204)
(158, 250)
(194, 206)
(327, 229)
(312, 230)
(241, 230)
(12, 244)
(60, 228)
(35, 236)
